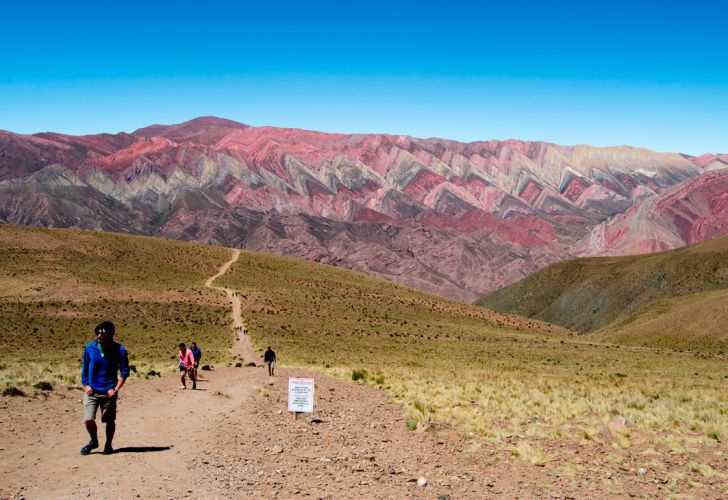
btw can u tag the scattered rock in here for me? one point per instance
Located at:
(421, 481)
(642, 471)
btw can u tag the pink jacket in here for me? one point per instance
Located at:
(187, 359)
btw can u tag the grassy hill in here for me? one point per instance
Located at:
(56, 285)
(487, 373)
(490, 374)
(692, 323)
(661, 300)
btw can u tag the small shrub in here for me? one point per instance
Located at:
(153, 373)
(13, 391)
(411, 422)
(44, 386)
(252, 364)
(713, 433)
(357, 375)
(206, 368)
(239, 364)
(530, 453)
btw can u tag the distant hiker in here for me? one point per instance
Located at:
(104, 370)
(269, 358)
(186, 366)
(197, 355)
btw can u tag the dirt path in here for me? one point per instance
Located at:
(234, 438)
(242, 347)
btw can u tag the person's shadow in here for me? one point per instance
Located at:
(141, 449)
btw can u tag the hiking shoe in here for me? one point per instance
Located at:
(90, 446)
(183, 387)
(108, 449)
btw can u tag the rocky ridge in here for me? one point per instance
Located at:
(456, 219)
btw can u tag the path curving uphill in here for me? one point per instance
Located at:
(242, 345)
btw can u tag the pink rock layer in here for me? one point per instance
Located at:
(457, 219)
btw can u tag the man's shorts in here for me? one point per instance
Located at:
(93, 402)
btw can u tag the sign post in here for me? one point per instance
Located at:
(300, 396)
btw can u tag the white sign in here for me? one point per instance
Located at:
(300, 395)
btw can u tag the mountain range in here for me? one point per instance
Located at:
(451, 218)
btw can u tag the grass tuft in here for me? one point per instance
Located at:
(359, 375)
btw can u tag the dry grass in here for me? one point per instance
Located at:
(681, 323)
(519, 385)
(671, 300)
(57, 285)
(491, 375)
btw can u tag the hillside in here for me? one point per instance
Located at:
(695, 322)
(506, 387)
(658, 299)
(449, 218)
(685, 214)
(56, 285)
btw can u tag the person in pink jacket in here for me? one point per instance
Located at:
(187, 366)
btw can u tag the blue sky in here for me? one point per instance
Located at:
(650, 74)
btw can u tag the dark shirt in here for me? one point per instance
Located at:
(101, 365)
(269, 356)
(197, 354)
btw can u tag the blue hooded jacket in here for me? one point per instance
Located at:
(100, 366)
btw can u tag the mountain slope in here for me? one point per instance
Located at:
(615, 292)
(693, 211)
(456, 219)
(55, 285)
(694, 322)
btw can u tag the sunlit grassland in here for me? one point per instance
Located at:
(669, 300)
(692, 323)
(491, 375)
(56, 285)
(513, 383)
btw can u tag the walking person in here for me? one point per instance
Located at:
(197, 355)
(269, 358)
(186, 366)
(104, 370)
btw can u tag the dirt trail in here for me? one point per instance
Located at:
(242, 346)
(161, 428)
(234, 438)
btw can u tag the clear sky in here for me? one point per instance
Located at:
(651, 74)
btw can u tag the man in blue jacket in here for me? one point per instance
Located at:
(197, 354)
(105, 369)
